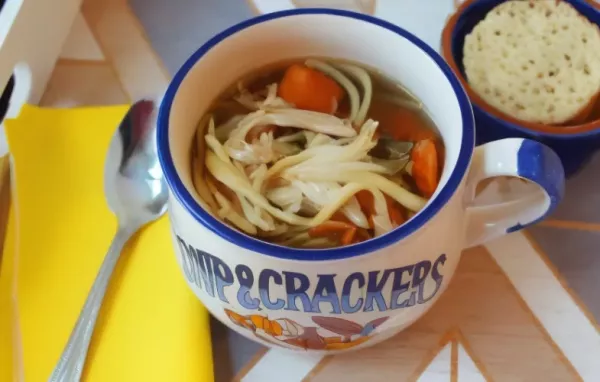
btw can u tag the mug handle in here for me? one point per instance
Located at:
(520, 158)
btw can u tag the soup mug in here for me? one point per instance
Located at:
(328, 300)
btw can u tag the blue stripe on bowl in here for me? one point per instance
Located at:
(242, 240)
(540, 164)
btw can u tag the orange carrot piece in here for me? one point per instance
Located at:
(366, 201)
(330, 229)
(399, 123)
(395, 211)
(348, 236)
(310, 89)
(257, 131)
(340, 217)
(371, 221)
(425, 169)
(361, 235)
(343, 110)
(367, 204)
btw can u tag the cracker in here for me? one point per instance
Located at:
(538, 60)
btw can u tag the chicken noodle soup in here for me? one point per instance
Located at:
(316, 153)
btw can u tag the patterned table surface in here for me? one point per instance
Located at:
(525, 307)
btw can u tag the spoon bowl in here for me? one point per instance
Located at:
(134, 186)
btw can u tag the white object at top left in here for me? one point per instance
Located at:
(32, 33)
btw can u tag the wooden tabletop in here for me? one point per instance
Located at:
(523, 308)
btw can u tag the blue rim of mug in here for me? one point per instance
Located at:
(240, 239)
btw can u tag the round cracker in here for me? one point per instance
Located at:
(538, 60)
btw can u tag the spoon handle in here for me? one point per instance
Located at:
(72, 360)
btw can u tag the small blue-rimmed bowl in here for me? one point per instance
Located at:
(574, 144)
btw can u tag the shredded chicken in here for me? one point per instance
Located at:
(280, 185)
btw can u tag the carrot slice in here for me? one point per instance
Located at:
(399, 123)
(340, 217)
(348, 236)
(371, 221)
(366, 201)
(330, 229)
(367, 205)
(395, 211)
(310, 89)
(425, 169)
(361, 235)
(343, 109)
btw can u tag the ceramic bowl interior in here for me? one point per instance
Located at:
(312, 33)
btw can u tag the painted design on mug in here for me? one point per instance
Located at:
(330, 333)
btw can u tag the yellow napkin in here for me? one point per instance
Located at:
(152, 327)
(7, 313)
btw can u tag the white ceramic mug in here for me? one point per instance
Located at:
(335, 299)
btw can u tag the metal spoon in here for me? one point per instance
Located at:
(136, 192)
